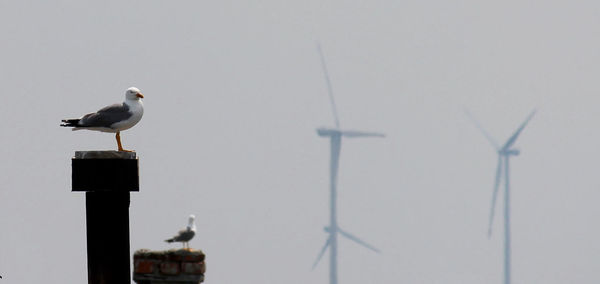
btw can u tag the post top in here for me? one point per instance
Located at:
(105, 155)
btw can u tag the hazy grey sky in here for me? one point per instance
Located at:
(234, 91)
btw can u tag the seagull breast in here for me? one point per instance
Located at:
(136, 108)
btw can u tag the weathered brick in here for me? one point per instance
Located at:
(194, 267)
(183, 266)
(144, 266)
(194, 258)
(169, 268)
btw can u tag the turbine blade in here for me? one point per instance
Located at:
(487, 135)
(495, 193)
(353, 133)
(514, 137)
(321, 253)
(329, 88)
(357, 240)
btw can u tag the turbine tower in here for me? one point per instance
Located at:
(335, 135)
(504, 154)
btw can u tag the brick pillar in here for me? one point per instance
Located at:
(169, 267)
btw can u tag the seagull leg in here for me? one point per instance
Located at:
(118, 136)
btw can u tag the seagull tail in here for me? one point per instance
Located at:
(169, 240)
(70, 122)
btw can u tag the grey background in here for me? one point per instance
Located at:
(234, 91)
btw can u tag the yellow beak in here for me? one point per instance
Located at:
(139, 95)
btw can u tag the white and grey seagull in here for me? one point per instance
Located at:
(114, 118)
(185, 235)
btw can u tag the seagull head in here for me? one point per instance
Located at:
(191, 224)
(133, 93)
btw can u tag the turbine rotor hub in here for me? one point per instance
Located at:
(510, 152)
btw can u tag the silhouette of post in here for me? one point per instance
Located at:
(106, 177)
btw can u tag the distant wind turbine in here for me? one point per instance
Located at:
(335, 135)
(504, 154)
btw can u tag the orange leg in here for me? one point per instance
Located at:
(118, 136)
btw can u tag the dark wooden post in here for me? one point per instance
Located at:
(106, 177)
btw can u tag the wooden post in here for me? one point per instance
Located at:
(107, 177)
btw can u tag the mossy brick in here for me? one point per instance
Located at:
(170, 268)
(194, 267)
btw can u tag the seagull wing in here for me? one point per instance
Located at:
(106, 116)
(184, 236)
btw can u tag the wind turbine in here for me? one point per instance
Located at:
(335, 135)
(504, 154)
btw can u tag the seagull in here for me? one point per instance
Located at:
(114, 118)
(185, 235)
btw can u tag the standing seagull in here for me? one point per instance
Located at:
(114, 118)
(185, 235)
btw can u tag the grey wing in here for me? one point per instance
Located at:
(106, 116)
(184, 236)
